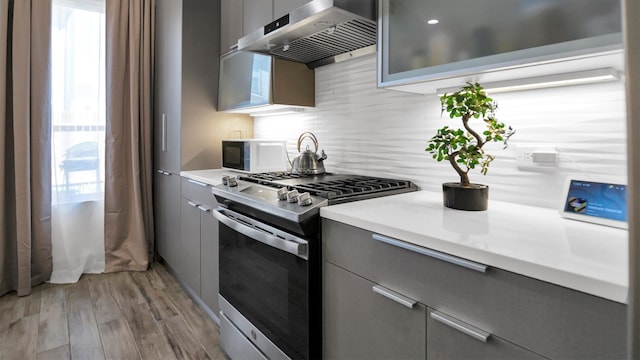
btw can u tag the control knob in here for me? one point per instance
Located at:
(304, 199)
(292, 196)
(232, 181)
(282, 193)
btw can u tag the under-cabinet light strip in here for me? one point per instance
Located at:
(546, 81)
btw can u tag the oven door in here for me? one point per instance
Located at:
(264, 275)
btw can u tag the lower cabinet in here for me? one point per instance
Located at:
(209, 277)
(384, 298)
(189, 270)
(366, 321)
(451, 338)
(167, 217)
(198, 265)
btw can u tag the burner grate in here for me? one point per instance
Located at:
(337, 188)
(270, 176)
(352, 187)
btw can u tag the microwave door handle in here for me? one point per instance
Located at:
(297, 249)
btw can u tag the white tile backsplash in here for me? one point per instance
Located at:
(379, 132)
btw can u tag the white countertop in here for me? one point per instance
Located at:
(208, 176)
(526, 240)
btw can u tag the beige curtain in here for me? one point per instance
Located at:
(128, 208)
(25, 160)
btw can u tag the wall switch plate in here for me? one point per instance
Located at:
(536, 158)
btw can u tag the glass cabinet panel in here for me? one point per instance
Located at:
(440, 38)
(245, 80)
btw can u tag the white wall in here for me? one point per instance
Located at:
(371, 131)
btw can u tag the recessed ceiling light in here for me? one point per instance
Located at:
(433, 21)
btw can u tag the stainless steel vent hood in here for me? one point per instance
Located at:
(318, 33)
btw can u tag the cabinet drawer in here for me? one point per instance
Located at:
(447, 338)
(363, 323)
(197, 191)
(550, 320)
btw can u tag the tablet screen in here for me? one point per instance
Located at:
(596, 199)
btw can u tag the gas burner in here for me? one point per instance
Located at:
(354, 187)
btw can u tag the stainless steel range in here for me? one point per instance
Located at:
(270, 258)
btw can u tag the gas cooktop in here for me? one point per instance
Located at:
(297, 197)
(337, 188)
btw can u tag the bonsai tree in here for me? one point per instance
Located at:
(463, 147)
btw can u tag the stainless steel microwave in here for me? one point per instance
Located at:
(254, 155)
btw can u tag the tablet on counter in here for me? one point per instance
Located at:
(596, 199)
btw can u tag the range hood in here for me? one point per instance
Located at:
(318, 33)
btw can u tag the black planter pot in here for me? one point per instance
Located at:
(472, 198)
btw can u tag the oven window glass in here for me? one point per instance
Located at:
(269, 287)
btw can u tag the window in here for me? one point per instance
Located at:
(78, 100)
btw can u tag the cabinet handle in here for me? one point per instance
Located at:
(191, 203)
(432, 253)
(392, 295)
(164, 172)
(164, 132)
(454, 323)
(197, 182)
(203, 208)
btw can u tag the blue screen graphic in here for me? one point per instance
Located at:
(596, 199)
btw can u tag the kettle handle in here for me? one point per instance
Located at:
(308, 135)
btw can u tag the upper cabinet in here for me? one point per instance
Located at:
(251, 82)
(445, 43)
(241, 17)
(188, 129)
(283, 7)
(230, 24)
(256, 14)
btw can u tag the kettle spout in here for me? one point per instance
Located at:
(322, 156)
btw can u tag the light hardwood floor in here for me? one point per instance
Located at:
(128, 315)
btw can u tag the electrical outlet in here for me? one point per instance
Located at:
(536, 158)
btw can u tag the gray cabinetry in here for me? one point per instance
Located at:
(168, 79)
(167, 216)
(364, 320)
(189, 264)
(283, 7)
(256, 14)
(199, 254)
(230, 24)
(546, 319)
(187, 128)
(209, 275)
(450, 338)
(426, 41)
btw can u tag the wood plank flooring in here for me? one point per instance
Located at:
(128, 315)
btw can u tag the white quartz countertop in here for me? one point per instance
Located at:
(526, 240)
(208, 176)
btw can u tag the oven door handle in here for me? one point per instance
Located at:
(260, 232)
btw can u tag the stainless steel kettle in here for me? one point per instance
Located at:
(308, 162)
